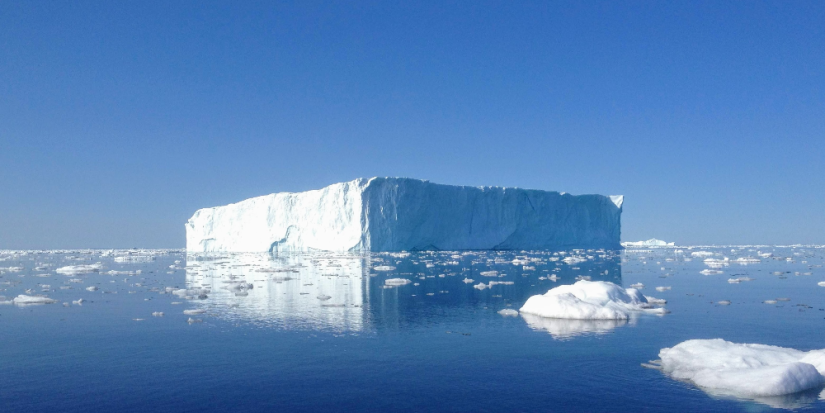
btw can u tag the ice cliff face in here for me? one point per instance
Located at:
(395, 214)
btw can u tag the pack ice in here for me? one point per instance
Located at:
(398, 214)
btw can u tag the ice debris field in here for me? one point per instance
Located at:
(740, 323)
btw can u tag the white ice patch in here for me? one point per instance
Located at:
(744, 370)
(395, 282)
(79, 269)
(508, 312)
(23, 299)
(589, 300)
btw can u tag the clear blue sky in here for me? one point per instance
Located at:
(119, 119)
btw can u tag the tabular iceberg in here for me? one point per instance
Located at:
(398, 214)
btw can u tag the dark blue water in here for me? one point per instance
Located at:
(436, 346)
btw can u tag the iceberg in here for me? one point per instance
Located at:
(744, 370)
(402, 214)
(653, 242)
(589, 300)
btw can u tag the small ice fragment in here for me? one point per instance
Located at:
(384, 268)
(467, 281)
(480, 286)
(488, 273)
(194, 312)
(821, 283)
(660, 289)
(194, 320)
(637, 286)
(395, 282)
(723, 302)
(783, 299)
(157, 314)
(711, 272)
(654, 300)
(769, 301)
(92, 288)
(32, 299)
(78, 302)
(508, 312)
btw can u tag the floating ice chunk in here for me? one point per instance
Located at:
(480, 286)
(384, 268)
(661, 289)
(78, 302)
(739, 280)
(769, 301)
(589, 300)
(395, 282)
(23, 299)
(467, 281)
(194, 320)
(157, 314)
(821, 283)
(723, 302)
(711, 272)
(508, 312)
(92, 288)
(654, 300)
(79, 269)
(637, 286)
(744, 370)
(701, 254)
(194, 311)
(488, 273)
(747, 260)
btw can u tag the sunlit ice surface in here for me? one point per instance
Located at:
(133, 330)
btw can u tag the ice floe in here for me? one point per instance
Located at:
(589, 300)
(23, 299)
(744, 370)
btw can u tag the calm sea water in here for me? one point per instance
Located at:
(324, 332)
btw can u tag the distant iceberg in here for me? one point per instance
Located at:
(402, 214)
(653, 242)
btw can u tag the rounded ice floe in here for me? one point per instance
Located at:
(589, 300)
(661, 289)
(745, 370)
(194, 312)
(821, 283)
(79, 269)
(23, 299)
(384, 268)
(395, 282)
(508, 312)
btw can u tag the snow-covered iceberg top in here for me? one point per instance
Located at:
(402, 214)
(653, 242)
(744, 370)
(589, 300)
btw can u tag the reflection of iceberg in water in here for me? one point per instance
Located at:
(362, 292)
(562, 329)
(788, 401)
(302, 291)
